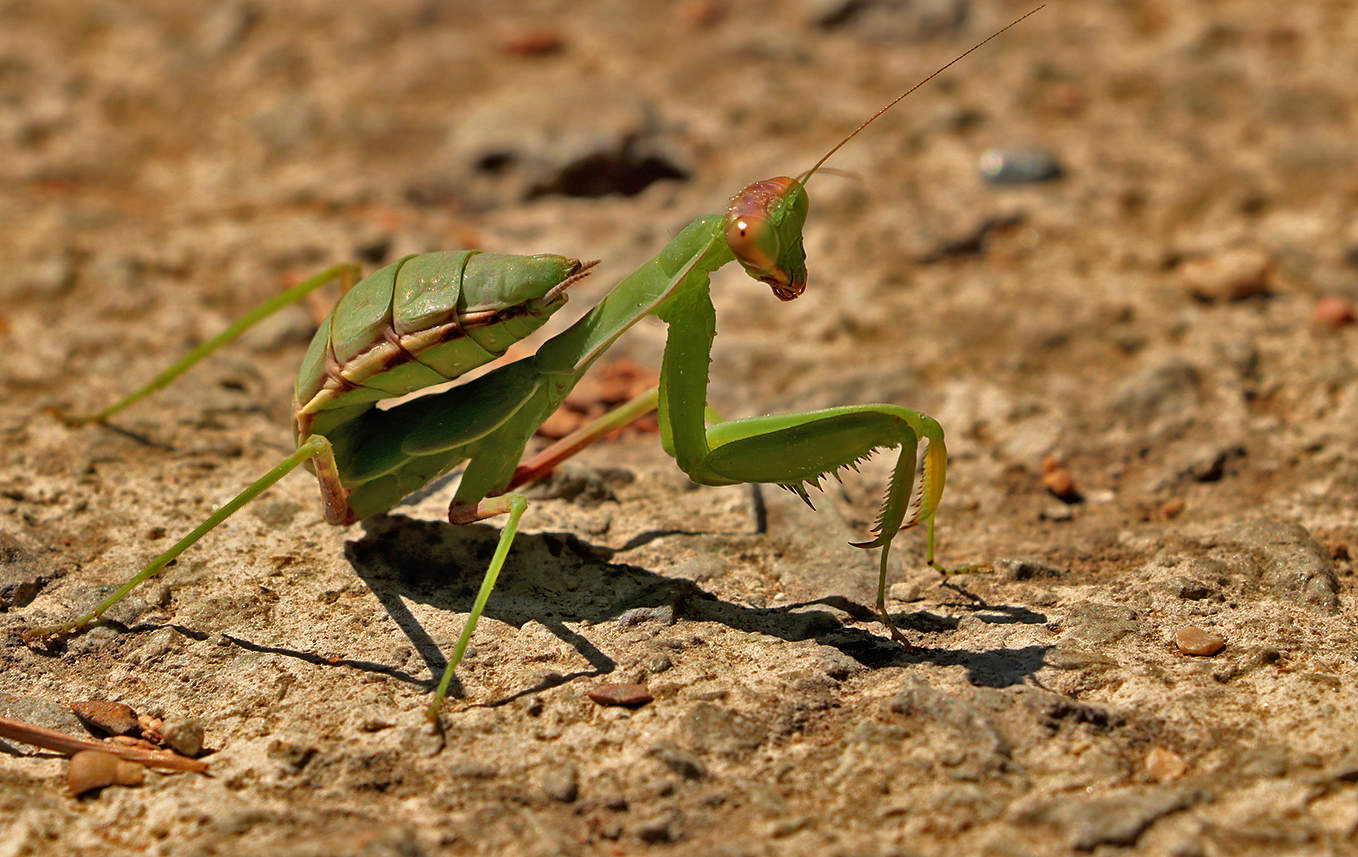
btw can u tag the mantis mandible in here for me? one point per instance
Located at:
(431, 318)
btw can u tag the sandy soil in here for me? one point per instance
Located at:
(1148, 319)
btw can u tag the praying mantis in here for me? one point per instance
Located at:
(432, 318)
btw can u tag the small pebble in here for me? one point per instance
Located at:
(184, 735)
(907, 590)
(561, 783)
(94, 640)
(1192, 640)
(681, 762)
(1026, 569)
(92, 769)
(111, 718)
(1056, 512)
(1230, 275)
(375, 724)
(534, 43)
(1171, 509)
(627, 695)
(1019, 166)
(1332, 312)
(1189, 589)
(1057, 479)
(1163, 765)
(661, 827)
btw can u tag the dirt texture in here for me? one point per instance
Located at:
(1133, 328)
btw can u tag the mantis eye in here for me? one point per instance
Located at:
(760, 219)
(755, 244)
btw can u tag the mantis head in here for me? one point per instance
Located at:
(764, 230)
(764, 221)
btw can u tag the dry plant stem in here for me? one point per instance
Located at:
(60, 742)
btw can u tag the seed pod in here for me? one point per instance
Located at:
(93, 769)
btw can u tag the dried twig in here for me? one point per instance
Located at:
(60, 742)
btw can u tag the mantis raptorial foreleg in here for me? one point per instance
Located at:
(796, 449)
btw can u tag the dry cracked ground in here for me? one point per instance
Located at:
(1136, 329)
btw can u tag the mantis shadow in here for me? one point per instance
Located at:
(555, 578)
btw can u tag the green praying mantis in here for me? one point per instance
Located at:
(429, 319)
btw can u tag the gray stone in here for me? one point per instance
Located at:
(1100, 624)
(1118, 818)
(183, 734)
(683, 763)
(21, 577)
(39, 712)
(640, 615)
(94, 640)
(1209, 463)
(836, 664)
(1019, 165)
(1292, 563)
(1189, 589)
(1167, 389)
(977, 747)
(1024, 568)
(724, 731)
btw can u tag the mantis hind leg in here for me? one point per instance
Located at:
(314, 447)
(345, 274)
(461, 513)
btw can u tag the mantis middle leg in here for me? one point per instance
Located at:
(346, 275)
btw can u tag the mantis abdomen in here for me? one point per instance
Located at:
(421, 321)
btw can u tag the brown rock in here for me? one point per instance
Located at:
(534, 43)
(1192, 640)
(1057, 479)
(626, 695)
(1332, 312)
(111, 718)
(1229, 275)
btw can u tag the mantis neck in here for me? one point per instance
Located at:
(685, 262)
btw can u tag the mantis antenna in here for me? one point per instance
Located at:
(806, 176)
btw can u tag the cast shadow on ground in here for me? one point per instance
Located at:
(555, 578)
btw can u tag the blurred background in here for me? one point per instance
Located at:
(1114, 252)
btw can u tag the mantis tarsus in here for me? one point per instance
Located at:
(431, 318)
